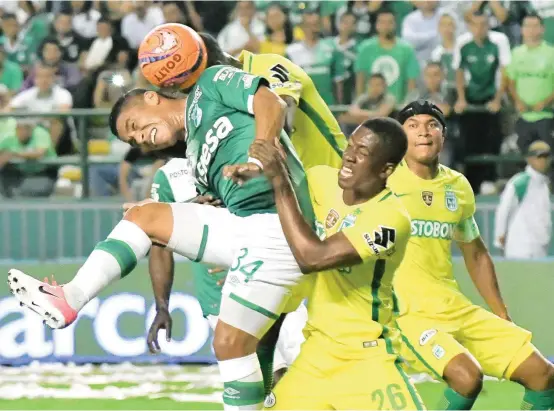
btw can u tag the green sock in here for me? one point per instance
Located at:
(265, 357)
(538, 400)
(454, 401)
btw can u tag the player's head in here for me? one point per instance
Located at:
(425, 126)
(147, 119)
(374, 150)
(215, 54)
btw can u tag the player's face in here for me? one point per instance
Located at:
(425, 138)
(146, 124)
(361, 166)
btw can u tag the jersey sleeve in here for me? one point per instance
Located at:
(231, 87)
(377, 236)
(161, 189)
(467, 229)
(285, 78)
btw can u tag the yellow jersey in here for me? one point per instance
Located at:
(442, 210)
(349, 307)
(316, 134)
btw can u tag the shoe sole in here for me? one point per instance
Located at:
(20, 284)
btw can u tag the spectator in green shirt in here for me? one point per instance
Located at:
(531, 84)
(388, 55)
(480, 60)
(22, 173)
(11, 74)
(18, 46)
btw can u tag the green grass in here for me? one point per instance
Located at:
(495, 396)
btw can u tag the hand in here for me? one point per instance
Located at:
(271, 157)
(504, 315)
(128, 206)
(208, 200)
(241, 173)
(493, 106)
(539, 106)
(162, 321)
(521, 108)
(460, 106)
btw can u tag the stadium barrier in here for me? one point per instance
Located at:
(81, 118)
(53, 230)
(112, 328)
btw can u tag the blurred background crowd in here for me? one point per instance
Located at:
(488, 65)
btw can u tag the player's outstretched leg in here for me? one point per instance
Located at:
(117, 256)
(536, 374)
(465, 380)
(112, 259)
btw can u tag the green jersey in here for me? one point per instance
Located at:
(22, 51)
(322, 63)
(532, 71)
(481, 64)
(11, 76)
(397, 64)
(345, 58)
(220, 128)
(175, 183)
(40, 140)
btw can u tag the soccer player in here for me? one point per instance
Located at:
(175, 182)
(347, 361)
(456, 340)
(224, 113)
(312, 127)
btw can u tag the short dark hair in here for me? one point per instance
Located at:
(433, 64)
(127, 98)
(534, 15)
(120, 104)
(348, 13)
(379, 76)
(383, 12)
(216, 55)
(392, 138)
(66, 13)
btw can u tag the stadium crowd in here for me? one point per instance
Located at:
(471, 58)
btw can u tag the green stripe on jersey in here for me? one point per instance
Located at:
(378, 273)
(314, 116)
(203, 243)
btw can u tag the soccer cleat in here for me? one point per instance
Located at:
(47, 300)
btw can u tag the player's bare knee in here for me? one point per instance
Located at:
(230, 342)
(464, 375)
(535, 373)
(155, 219)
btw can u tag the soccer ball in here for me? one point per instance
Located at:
(172, 55)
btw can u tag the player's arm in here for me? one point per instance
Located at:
(344, 249)
(161, 266)
(479, 264)
(250, 94)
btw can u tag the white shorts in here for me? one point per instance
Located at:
(263, 274)
(290, 337)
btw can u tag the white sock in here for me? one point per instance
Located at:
(111, 260)
(243, 385)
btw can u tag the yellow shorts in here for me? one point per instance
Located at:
(430, 342)
(321, 380)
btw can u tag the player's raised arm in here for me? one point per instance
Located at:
(368, 161)
(478, 260)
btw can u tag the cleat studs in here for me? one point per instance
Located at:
(15, 279)
(21, 304)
